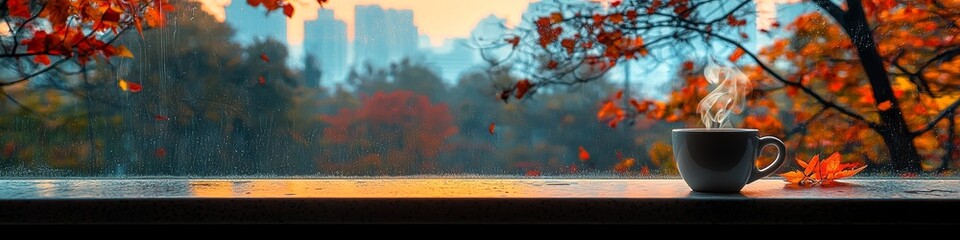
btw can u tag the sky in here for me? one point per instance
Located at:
(438, 19)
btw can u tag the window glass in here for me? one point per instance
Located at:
(499, 88)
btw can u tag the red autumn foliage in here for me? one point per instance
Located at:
(522, 87)
(881, 78)
(390, 133)
(66, 24)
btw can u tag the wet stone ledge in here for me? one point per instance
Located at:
(668, 201)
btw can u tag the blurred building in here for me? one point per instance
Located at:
(326, 39)
(255, 24)
(383, 36)
(454, 58)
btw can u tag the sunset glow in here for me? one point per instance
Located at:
(440, 20)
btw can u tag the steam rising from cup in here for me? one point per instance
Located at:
(728, 97)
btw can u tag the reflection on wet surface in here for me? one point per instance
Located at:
(455, 188)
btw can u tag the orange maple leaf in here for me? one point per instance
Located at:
(816, 172)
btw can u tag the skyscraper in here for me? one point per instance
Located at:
(255, 24)
(383, 36)
(326, 39)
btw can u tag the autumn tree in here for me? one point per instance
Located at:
(391, 133)
(845, 50)
(40, 35)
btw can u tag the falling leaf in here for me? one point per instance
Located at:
(9, 149)
(122, 51)
(619, 94)
(688, 65)
(816, 172)
(123, 85)
(492, 127)
(522, 87)
(736, 55)
(262, 81)
(615, 3)
(161, 118)
(885, 105)
(584, 155)
(160, 152)
(134, 87)
(265, 58)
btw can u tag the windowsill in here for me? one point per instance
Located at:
(468, 200)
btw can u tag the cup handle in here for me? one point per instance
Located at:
(781, 153)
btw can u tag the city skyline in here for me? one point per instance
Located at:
(326, 39)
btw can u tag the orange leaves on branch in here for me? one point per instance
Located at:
(583, 155)
(640, 107)
(631, 15)
(552, 64)
(41, 59)
(688, 65)
(734, 22)
(569, 45)
(522, 87)
(548, 33)
(514, 41)
(19, 8)
(654, 6)
(816, 172)
(288, 10)
(272, 5)
(736, 55)
(611, 114)
(156, 15)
